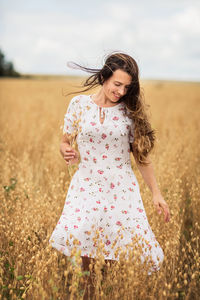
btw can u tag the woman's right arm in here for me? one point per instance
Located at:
(67, 151)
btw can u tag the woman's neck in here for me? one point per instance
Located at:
(101, 99)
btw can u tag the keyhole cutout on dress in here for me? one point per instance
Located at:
(101, 115)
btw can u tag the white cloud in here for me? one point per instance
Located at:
(162, 36)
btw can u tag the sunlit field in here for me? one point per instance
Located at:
(34, 183)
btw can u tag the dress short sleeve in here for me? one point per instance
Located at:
(71, 116)
(131, 132)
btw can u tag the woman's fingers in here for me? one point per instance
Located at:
(166, 211)
(68, 156)
(69, 153)
(71, 157)
(159, 206)
(167, 214)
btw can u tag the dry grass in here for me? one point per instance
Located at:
(34, 183)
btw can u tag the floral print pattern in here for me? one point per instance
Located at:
(104, 193)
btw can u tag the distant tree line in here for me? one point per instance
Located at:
(7, 67)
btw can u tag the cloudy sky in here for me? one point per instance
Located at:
(41, 36)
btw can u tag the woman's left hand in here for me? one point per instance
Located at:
(159, 204)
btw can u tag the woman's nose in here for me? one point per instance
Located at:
(122, 91)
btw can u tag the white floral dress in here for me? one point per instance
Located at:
(104, 193)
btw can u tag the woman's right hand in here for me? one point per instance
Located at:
(69, 154)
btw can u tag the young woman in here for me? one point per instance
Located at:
(104, 193)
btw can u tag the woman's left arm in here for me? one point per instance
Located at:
(149, 177)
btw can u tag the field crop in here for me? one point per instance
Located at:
(34, 182)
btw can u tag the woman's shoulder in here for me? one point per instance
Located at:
(79, 99)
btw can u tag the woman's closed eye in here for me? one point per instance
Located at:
(126, 87)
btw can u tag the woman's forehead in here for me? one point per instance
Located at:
(122, 77)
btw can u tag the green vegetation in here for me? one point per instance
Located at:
(6, 67)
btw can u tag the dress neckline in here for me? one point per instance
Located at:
(116, 105)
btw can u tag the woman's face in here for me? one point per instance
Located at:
(117, 85)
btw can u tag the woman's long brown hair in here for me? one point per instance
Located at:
(144, 135)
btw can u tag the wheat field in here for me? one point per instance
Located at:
(35, 179)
